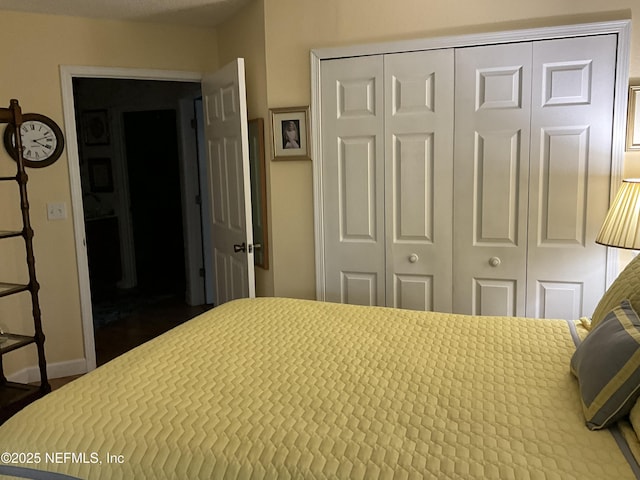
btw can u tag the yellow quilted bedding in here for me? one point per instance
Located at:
(279, 388)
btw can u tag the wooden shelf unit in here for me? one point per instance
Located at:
(14, 396)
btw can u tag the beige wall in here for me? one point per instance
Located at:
(34, 48)
(294, 28)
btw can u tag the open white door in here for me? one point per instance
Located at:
(227, 150)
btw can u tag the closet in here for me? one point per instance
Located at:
(468, 179)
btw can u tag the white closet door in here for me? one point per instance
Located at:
(419, 179)
(572, 108)
(491, 177)
(353, 179)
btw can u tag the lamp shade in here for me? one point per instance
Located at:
(621, 227)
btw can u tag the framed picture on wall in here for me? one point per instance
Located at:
(100, 175)
(633, 124)
(290, 128)
(258, 193)
(95, 127)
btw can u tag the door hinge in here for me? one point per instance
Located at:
(198, 199)
(202, 272)
(194, 124)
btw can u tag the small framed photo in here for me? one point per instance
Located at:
(290, 128)
(100, 175)
(95, 127)
(633, 122)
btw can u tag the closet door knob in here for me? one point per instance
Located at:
(494, 261)
(413, 258)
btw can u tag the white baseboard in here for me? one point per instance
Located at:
(54, 370)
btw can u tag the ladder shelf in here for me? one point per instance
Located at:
(13, 395)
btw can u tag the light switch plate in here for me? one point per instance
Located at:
(56, 211)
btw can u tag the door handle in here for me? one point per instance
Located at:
(240, 248)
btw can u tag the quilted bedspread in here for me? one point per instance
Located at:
(280, 388)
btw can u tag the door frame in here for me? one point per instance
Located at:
(67, 74)
(622, 28)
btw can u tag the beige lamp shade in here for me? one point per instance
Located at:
(621, 227)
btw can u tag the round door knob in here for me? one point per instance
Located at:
(494, 261)
(413, 258)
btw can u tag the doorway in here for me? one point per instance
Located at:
(137, 178)
(151, 150)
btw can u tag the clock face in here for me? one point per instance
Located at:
(38, 140)
(42, 140)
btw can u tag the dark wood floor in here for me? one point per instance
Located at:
(141, 325)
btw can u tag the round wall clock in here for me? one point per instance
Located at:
(42, 140)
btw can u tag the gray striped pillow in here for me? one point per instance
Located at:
(607, 366)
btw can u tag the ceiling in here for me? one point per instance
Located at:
(197, 13)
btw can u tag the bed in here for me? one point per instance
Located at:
(284, 388)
